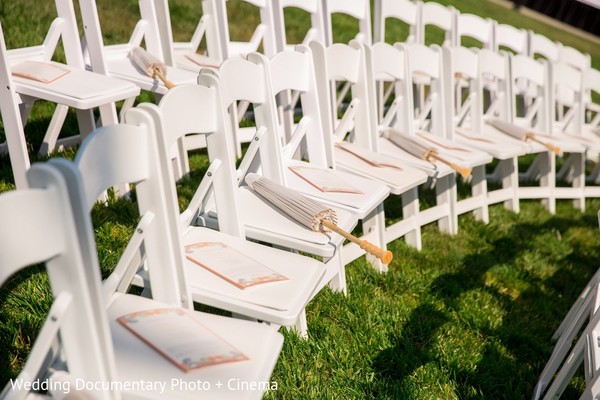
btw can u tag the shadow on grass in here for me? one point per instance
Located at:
(516, 349)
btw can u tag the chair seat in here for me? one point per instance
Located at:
(277, 302)
(264, 222)
(123, 68)
(398, 180)
(78, 89)
(436, 169)
(373, 192)
(497, 144)
(463, 155)
(136, 361)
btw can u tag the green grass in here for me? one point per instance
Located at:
(468, 317)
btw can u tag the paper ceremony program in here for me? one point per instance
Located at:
(39, 71)
(324, 180)
(180, 337)
(231, 265)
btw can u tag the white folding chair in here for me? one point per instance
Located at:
(281, 303)
(358, 10)
(248, 80)
(405, 11)
(310, 7)
(114, 60)
(158, 243)
(295, 71)
(197, 109)
(538, 116)
(465, 115)
(582, 314)
(78, 89)
(567, 358)
(441, 17)
(433, 124)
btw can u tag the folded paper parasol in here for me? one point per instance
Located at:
(422, 149)
(520, 133)
(151, 65)
(309, 212)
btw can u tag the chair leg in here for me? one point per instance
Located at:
(479, 190)
(301, 326)
(338, 282)
(548, 179)
(53, 131)
(410, 209)
(445, 190)
(578, 180)
(510, 180)
(375, 221)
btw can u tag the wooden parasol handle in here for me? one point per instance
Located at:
(385, 256)
(465, 172)
(549, 146)
(159, 75)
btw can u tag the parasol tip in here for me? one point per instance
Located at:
(251, 178)
(387, 257)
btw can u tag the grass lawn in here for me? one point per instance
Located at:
(470, 316)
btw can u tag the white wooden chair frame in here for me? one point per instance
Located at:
(67, 92)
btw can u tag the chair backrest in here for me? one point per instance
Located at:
(387, 65)
(426, 62)
(39, 226)
(474, 27)
(248, 80)
(496, 67)
(345, 63)
(198, 109)
(439, 16)
(406, 11)
(360, 10)
(574, 57)
(295, 71)
(540, 45)
(566, 82)
(461, 65)
(314, 10)
(509, 37)
(536, 74)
